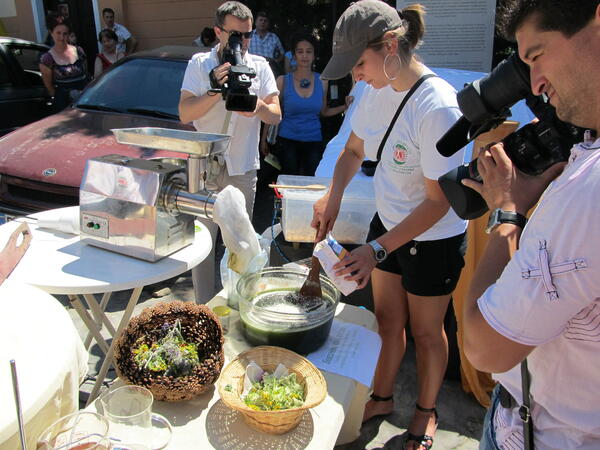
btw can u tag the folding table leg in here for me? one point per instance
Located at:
(88, 321)
(135, 295)
(105, 298)
(98, 313)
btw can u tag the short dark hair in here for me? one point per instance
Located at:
(565, 16)
(110, 34)
(232, 8)
(209, 34)
(262, 14)
(108, 10)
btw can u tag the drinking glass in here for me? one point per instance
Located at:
(82, 430)
(129, 413)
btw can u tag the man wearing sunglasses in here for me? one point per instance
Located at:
(207, 110)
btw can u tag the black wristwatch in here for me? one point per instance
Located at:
(378, 250)
(498, 216)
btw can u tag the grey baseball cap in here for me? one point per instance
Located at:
(363, 22)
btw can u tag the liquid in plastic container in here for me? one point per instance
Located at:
(352, 224)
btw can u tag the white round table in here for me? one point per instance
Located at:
(59, 263)
(38, 333)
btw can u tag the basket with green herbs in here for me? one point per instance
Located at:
(174, 349)
(274, 405)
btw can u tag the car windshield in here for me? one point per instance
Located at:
(140, 86)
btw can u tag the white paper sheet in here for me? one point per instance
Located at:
(350, 351)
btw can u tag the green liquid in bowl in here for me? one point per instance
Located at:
(275, 318)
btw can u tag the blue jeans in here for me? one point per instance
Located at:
(488, 436)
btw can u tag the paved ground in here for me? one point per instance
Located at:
(460, 415)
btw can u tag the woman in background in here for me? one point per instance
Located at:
(303, 101)
(109, 54)
(63, 67)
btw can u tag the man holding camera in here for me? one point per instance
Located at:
(200, 102)
(206, 108)
(536, 292)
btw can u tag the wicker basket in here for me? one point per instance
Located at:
(199, 325)
(267, 357)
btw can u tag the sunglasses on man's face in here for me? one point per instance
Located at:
(244, 34)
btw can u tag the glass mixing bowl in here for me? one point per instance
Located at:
(272, 313)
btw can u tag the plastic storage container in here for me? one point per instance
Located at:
(352, 224)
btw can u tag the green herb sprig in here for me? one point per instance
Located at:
(273, 394)
(171, 354)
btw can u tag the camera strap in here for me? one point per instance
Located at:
(226, 122)
(400, 108)
(525, 408)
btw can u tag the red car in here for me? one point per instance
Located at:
(41, 164)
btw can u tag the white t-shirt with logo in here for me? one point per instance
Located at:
(242, 154)
(410, 153)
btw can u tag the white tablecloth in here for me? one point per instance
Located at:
(37, 332)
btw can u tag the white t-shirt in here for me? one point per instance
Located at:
(548, 296)
(409, 153)
(242, 154)
(122, 34)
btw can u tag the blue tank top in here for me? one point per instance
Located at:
(301, 116)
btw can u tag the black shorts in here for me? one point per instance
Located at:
(428, 268)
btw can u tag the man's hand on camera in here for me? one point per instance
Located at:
(506, 187)
(219, 74)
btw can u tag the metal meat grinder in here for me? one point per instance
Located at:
(146, 208)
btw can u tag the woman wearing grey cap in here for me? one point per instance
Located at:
(416, 243)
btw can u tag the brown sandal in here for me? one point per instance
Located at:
(424, 441)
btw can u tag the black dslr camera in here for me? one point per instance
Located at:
(235, 90)
(484, 104)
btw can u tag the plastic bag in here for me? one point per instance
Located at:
(229, 277)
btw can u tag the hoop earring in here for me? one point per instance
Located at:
(385, 64)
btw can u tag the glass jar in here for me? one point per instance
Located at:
(267, 318)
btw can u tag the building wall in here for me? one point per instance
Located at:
(152, 22)
(21, 25)
(168, 22)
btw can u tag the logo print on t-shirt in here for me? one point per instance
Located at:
(400, 154)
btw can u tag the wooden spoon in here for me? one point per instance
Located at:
(312, 285)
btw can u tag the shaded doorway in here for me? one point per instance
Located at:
(81, 17)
